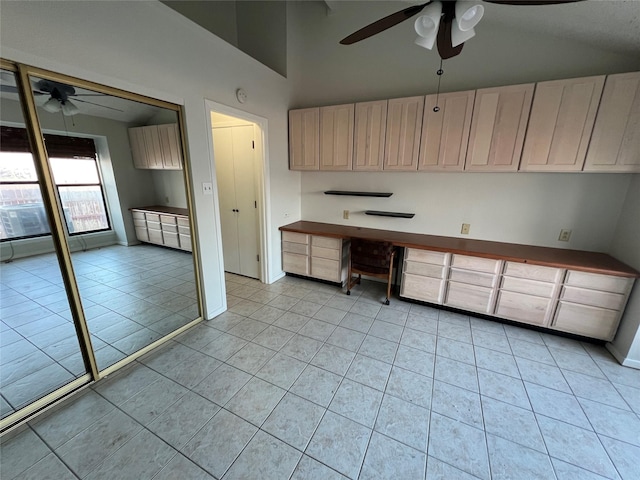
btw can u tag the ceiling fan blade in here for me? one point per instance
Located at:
(384, 23)
(96, 104)
(445, 45)
(531, 2)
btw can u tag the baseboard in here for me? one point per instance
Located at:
(624, 361)
(277, 277)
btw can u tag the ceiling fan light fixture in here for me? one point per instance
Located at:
(468, 14)
(69, 108)
(427, 25)
(458, 36)
(52, 105)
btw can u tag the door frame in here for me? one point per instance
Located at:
(263, 186)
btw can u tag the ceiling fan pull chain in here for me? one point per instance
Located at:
(439, 73)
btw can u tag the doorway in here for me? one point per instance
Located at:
(238, 160)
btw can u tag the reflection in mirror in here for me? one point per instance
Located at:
(117, 167)
(39, 349)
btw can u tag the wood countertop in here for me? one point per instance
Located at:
(163, 209)
(552, 257)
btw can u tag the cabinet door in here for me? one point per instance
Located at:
(615, 143)
(138, 150)
(171, 149)
(336, 137)
(370, 129)
(402, 139)
(497, 128)
(304, 146)
(560, 124)
(445, 133)
(153, 147)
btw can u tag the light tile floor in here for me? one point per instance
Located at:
(132, 296)
(299, 381)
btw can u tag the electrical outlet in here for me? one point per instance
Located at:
(465, 228)
(345, 214)
(565, 235)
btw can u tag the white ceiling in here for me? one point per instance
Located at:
(612, 25)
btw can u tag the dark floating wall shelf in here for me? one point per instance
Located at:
(358, 194)
(389, 214)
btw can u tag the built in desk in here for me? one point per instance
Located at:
(572, 291)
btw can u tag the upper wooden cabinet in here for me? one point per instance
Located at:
(615, 142)
(369, 135)
(156, 147)
(445, 133)
(304, 142)
(497, 128)
(560, 124)
(336, 137)
(402, 140)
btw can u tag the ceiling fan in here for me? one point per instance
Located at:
(59, 94)
(449, 22)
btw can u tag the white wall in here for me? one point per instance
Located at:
(147, 48)
(169, 188)
(626, 247)
(526, 208)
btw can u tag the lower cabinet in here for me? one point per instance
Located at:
(471, 283)
(423, 275)
(580, 303)
(528, 293)
(591, 304)
(162, 229)
(325, 258)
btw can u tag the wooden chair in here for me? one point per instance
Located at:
(372, 258)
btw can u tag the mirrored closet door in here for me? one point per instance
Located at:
(118, 190)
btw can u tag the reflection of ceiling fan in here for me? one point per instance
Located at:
(59, 94)
(450, 22)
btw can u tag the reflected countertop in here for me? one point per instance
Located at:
(163, 209)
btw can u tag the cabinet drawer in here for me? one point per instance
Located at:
(595, 298)
(326, 242)
(168, 219)
(468, 297)
(321, 252)
(325, 269)
(596, 281)
(424, 269)
(521, 307)
(532, 272)
(139, 222)
(295, 237)
(167, 227)
(142, 234)
(185, 242)
(472, 277)
(294, 263)
(417, 287)
(152, 217)
(184, 230)
(475, 263)
(138, 216)
(153, 225)
(426, 256)
(155, 236)
(299, 248)
(584, 320)
(531, 287)
(170, 239)
(183, 221)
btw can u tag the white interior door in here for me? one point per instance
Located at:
(223, 154)
(235, 169)
(246, 200)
